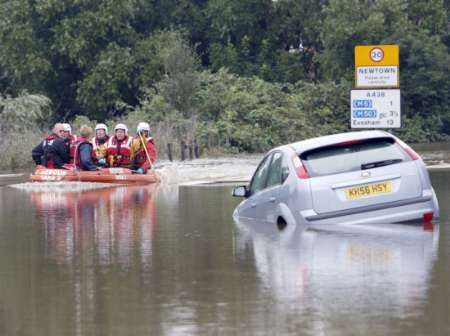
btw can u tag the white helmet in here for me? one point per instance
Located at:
(122, 127)
(143, 126)
(67, 128)
(101, 126)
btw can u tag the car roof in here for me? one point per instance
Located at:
(327, 140)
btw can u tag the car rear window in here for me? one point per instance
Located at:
(353, 156)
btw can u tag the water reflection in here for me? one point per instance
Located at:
(87, 264)
(106, 225)
(337, 273)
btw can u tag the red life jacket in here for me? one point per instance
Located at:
(118, 152)
(141, 157)
(48, 160)
(73, 146)
(77, 144)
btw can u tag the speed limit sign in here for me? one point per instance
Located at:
(377, 66)
(376, 54)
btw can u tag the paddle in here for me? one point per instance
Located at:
(146, 152)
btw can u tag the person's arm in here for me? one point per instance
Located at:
(37, 153)
(86, 158)
(101, 151)
(109, 158)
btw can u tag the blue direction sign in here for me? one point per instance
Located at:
(376, 108)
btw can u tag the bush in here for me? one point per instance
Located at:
(20, 118)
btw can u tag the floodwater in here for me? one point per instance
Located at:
(170, 260)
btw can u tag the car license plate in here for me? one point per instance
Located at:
(367, 190)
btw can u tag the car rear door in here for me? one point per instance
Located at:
(352, 175)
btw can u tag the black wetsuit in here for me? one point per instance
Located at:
(53, 152)
(59, 152)
(38, 152)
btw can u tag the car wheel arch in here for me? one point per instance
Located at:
(285, 214)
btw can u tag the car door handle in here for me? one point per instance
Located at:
(272, 199)
(253, 205)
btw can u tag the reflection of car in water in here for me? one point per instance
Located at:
(342, 269)
(110, 222)
(356, 177)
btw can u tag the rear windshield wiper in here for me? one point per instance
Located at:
(379, 163)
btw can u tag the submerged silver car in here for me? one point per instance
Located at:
(347, 178)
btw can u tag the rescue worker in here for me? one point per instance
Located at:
(84, 153)
(143, 151)
(71, 140)
(100, 143)
(118, 150)
(38, 152)
(53, 152)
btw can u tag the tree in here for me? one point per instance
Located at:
(348, 23)
(239, 27)
(24, 62)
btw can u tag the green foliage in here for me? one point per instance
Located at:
(352, 22)
(430, 16)
(250, 114)
(24, 64)
(22, 111)
(19, 131)
(223, 56)
(325, 106)
(420, 29)
(82, 120)
(281, 70)
(16, 149)
(107, 83)
(420, 129)
(425, 65)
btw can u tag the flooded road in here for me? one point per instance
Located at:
(169, 260)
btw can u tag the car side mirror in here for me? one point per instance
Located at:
(240, 191)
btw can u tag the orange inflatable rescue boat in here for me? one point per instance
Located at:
(105, 175)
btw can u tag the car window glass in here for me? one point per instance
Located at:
(284, 170)
(260, 176)
(274, 177)
(352, 157)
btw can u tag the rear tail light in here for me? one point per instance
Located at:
(412, 154)
(427, 217)
(428, 226)
(300, 168)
